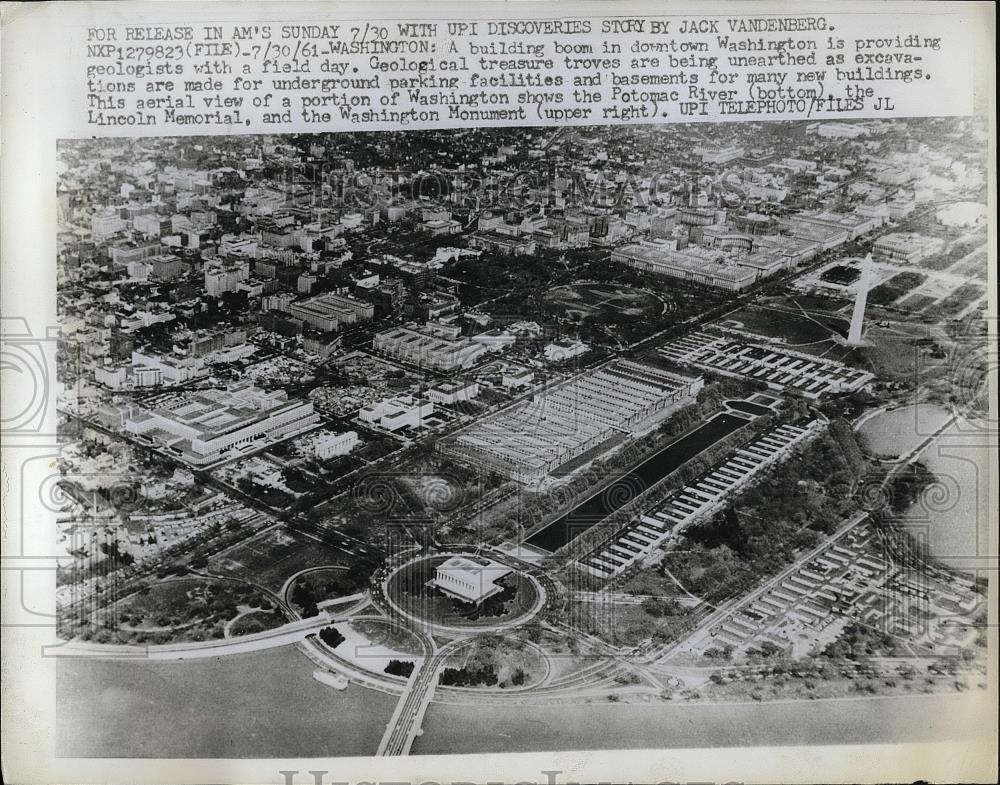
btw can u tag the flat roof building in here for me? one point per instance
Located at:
(449, 392)
(905, 247)
(515, 377)
(841, 130)
(200, 427)
(501, 243)
(470, 578)
(528, 440)
(394, 414)
(329, 445)
(694, 265)
(329, 311)
(715, 154)
(430, 347)
(563, 349)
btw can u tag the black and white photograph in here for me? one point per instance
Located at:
(536, 392)
(503, 440)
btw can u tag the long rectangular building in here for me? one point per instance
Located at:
(693, 265)
(905, 247)
(331, 311)
(530, 439)
(427, 347)
(201, 427)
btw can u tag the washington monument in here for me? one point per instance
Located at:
(854, 337)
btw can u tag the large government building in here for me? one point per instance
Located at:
(530, 439)
(201, 427)
(331, 311)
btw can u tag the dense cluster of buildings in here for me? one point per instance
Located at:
(191, 358)
(211, 224)
(765, 361)
(213, 290)
(719, 255)
(852, 579)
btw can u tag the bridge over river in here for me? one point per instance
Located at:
(405, 723)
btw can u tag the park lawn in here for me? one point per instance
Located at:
(256, 621)
(575, 578)
(373, 449)
(976, 266)
(649, 581)
(325, 583)
(183, 609)
(938, 262)
(956, 302)
(627, 624)
(794, 328)
(512, 662)
(563, 663)
(916, 302)
(949, 255)
(591, 300)
(270, 558)
(819, 302)
(891, 359)
(439, 485)
(388, 634)
(491, 524)
(898, 285)
(162, 605)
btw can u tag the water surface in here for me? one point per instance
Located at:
(897, 432)
(632, 483)
(264, 704)
(474, 728)
(953, 514)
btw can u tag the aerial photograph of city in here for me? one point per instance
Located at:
(522, 439)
